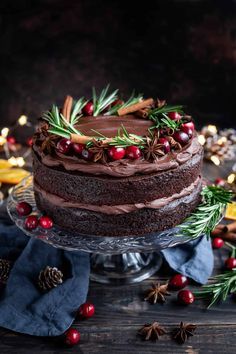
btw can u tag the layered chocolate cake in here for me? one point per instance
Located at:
(107, 167)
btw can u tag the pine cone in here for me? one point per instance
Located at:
(5, 267)
(49, 278)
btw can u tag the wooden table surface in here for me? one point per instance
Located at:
(121, 311)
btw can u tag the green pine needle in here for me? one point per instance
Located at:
(207, 215)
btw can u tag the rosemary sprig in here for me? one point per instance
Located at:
(132, 100)
(103, 100)
(77, 110)
(124, 139)
(58, 125)
(160, 117)
(223, 285)
(208, 213)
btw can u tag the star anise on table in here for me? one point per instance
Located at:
(153, 149)
(174, 144)
(99, 150)
(157, 293)
(184, 331)
(151, 331)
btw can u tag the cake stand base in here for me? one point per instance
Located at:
(124, 268)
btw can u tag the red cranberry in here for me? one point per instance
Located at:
(217, 242)
(29, 141)
(187, 130)
(88, 109)
(11, 140)
(133, 152)
(219, 182)
(78, 148)
(116, 153)
(165, 143)
(31, 222)
(87, 155)
(72, 336)
(45, 222)
(174, 115)
(178, 281)
(230, 263)
(64, 146)
(23, 208)
(181, 137)
(185, 297)
(86, 310)
(190, 125)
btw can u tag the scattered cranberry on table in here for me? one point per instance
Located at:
(11, 140)
(86, 310)
(165, 143)
(64, 146)
(78, 148)
(181, 137)
(217, 242)
(230, 263)
(219, 182)
(88, 109)
(178, 281)
(116, 153)
(46, 222)
(133, 152)
(23, 208)
(185, 297)
(87, 155)
(29, 141)
(31, 222)
(72, 336)
(174, 115)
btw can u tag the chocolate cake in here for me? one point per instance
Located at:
(107, 167)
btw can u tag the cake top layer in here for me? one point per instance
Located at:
(105, 129)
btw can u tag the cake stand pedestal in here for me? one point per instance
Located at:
(114, 260)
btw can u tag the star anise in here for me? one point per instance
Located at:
(153, 149)
(157, 293)
(174, 144)
(160, 103)
(49, 143)
(99, 151)
(151, 331)
(184, 331)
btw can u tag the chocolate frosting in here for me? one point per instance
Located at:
(117, 209)
(124, 167)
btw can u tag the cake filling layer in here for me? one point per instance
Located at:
(117, 209)
(123, 167)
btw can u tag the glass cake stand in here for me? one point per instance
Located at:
(115, 260)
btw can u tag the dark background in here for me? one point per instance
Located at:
(184, 51)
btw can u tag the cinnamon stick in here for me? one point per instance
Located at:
(66, 110)
(230, 227)
(135, 107)
(142, 113)
(80, 139)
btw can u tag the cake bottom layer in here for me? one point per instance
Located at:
(135, 223)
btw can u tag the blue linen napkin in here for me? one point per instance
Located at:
(23, 308)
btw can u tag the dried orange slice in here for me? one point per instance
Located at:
(231, 211)
(12, 175)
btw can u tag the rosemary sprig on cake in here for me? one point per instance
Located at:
(119, 104)
(208, 213)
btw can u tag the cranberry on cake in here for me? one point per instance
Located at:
(109, 167)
